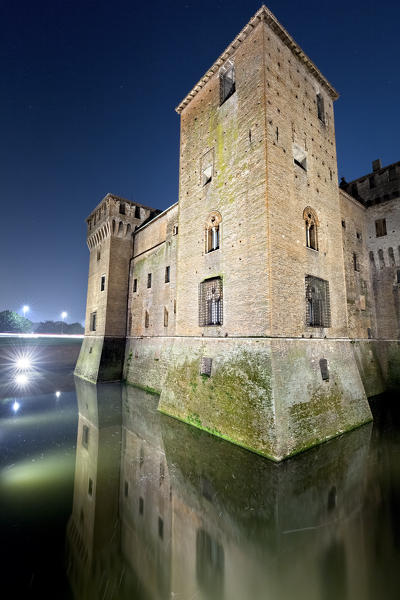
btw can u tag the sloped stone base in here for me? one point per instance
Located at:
(267, 395)
(101, 359)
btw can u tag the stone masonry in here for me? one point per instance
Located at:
(237, 304)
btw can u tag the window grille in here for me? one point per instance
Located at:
(227, 84)
(210, 302)
(318, 308)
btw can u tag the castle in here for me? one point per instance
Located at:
(263, 306)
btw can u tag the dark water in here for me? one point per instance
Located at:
(101, 497)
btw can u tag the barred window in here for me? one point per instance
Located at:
(210, 302)
(318, 308)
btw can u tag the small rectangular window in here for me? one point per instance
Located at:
(146, 319)
(359, 236)
(85, 436)
(93, 321)
(122, 208)
(206, 167)
(167, 274)
(102, 283)
(141, 506)
(160, 527)
(355, 262)
(126, 489)
(227, 84)
(320, 108)
(137, 212)
(380, 227)
(98, 254)
(165, 317)
(149, 280)
(300, 157)
(135, 285)
(175, 230)
(90, 487)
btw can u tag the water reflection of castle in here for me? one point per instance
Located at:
(164, 511)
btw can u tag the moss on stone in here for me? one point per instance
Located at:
(235, 403)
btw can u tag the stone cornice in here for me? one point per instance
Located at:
(262, 15)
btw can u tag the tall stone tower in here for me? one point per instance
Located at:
(260, 277)
(110, 237)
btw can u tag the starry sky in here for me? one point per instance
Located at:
(87, 97)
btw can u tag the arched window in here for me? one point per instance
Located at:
(213, 232)
(312, 223)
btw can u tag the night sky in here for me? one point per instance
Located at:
(87, 98)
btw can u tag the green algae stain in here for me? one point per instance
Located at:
(234, 403)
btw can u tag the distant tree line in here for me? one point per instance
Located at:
(12, 322)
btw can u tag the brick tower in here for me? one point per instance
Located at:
(110, 237)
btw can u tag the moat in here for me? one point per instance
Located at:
(104, 497)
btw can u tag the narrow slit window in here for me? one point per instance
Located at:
(135, 285)
(146, 319)
(90, 487)
(149, 280)
(355, 262)
(320, 108)
(167, 274)
(85, 436)
(165, 317)
(160, 528)
(137, 212)
(93, 318)
(103, 283)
